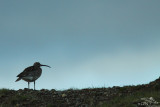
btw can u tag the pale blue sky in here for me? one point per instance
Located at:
(88, 43)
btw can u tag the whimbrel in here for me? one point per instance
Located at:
(31, 74)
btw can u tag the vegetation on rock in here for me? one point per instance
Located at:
(126, 96)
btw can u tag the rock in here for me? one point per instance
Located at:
(64, 95)
(146, 102)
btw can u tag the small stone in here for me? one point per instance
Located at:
(17, 105)
(64, 95)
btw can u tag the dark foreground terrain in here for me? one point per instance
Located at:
(146, 95)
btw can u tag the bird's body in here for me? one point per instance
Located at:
(31, 74)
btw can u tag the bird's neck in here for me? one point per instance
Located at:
(35, 67)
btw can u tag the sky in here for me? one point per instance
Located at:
(88, 43)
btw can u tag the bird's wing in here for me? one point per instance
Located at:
(26, 71)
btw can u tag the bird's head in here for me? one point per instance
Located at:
(37, 65)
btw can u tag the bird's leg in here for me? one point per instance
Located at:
(28, 85)
(34, 85)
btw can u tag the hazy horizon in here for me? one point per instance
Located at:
(87, 43)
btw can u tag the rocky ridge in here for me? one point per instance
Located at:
(91, 97)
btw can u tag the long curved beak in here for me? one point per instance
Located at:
(46, 66)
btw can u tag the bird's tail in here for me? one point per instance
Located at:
(18, 79)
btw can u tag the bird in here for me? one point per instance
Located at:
(31, 73)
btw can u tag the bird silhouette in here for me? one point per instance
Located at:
(31, 73)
